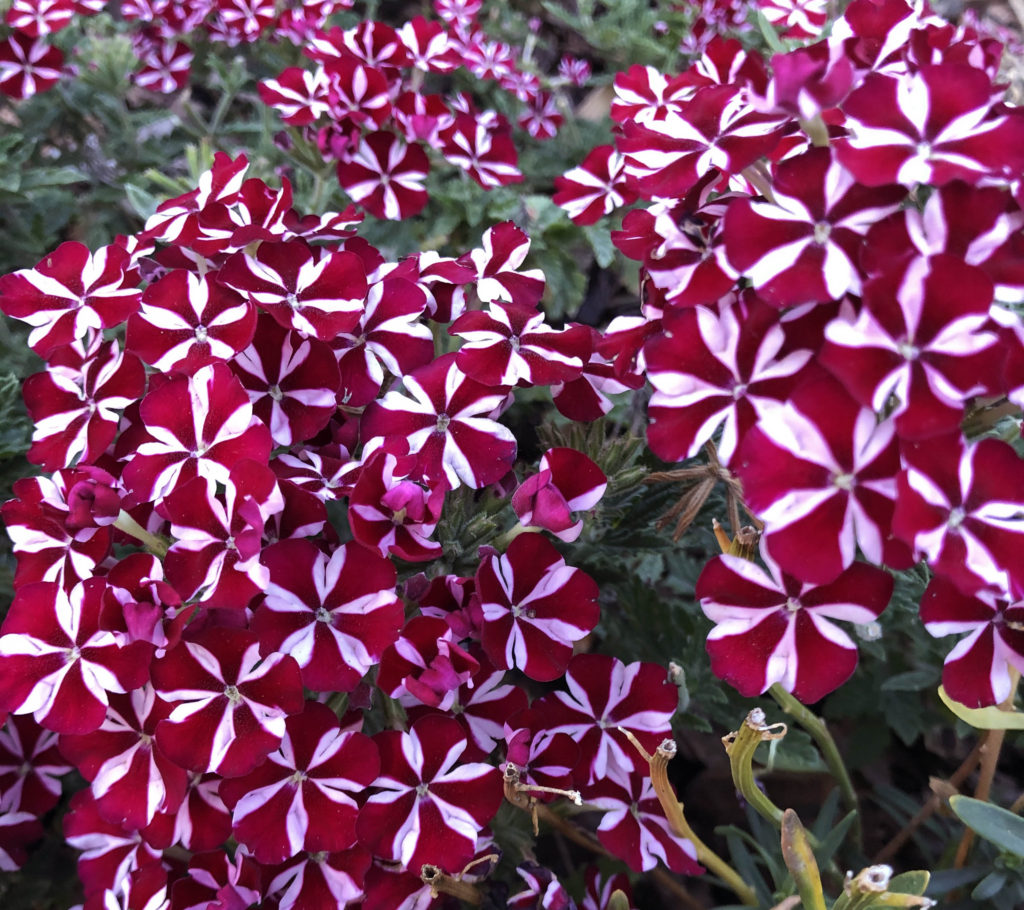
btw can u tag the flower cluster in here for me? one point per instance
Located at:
(195, 637)
(366, 104)
(831, 270)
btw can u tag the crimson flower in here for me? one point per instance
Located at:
(771, 628)
(230, 703)
(70, 293)
(804, 245)
(303, 797)
(533, 607)
(567, 481)
(187, 321)
(509, 345)
(429, 806)
(634, 826)
(61, 656)
(334, 615)
(932, 126)
(920, 336)
(193, 427)
(444, 416)
(821, 468)
(977, 671)
(75, 404)
(961, 506)
(385, 175)
(303, 288)
(603, 695)
(30, 767)
(131, 778)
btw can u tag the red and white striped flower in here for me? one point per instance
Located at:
(187, 321)
(70, 293)
(28, 66)
(509, 344)
(197, 426)
(429, 806)
(772, 628)
(978, 671)
(75, 405)
(305, 289)
(334, 615)
(445, 418)
(385, 175)
(534, 607)
(60, 657)
(303, 797)
(230, 702)
(594, 188)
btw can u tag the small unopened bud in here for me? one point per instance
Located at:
(92, 500)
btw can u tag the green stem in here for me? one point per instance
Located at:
(501, 543)
(156, 545)
(830, 752)
(658, 766)
(740, 747)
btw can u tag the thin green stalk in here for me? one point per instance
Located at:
(658, 765)
(740, 747)
(156, 545)
(830, 752)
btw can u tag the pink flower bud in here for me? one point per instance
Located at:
(93, 500)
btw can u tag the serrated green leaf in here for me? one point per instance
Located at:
(142, 201)
(601, 243)
(38, 178)
(995, 824)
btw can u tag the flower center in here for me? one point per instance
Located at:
(821, 232)
(518, 611)
(72, 654)
(792, 604)
(442, 423)
(908, 350)
(292, 300)
(323, 615)
(843, 481)
(297, 778)
(232, 694)
(422, 790)
(739, 391)
(201, 334)
(275, 392)
(956, 518)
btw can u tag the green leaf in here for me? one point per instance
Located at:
(51, 176)
(912, 681)
(771, 36)
(142, 201)
(989, 886)
(914, 882)
(995, 824)
(600, 241)
(983, 718)
(832, 842)
(15, 427)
